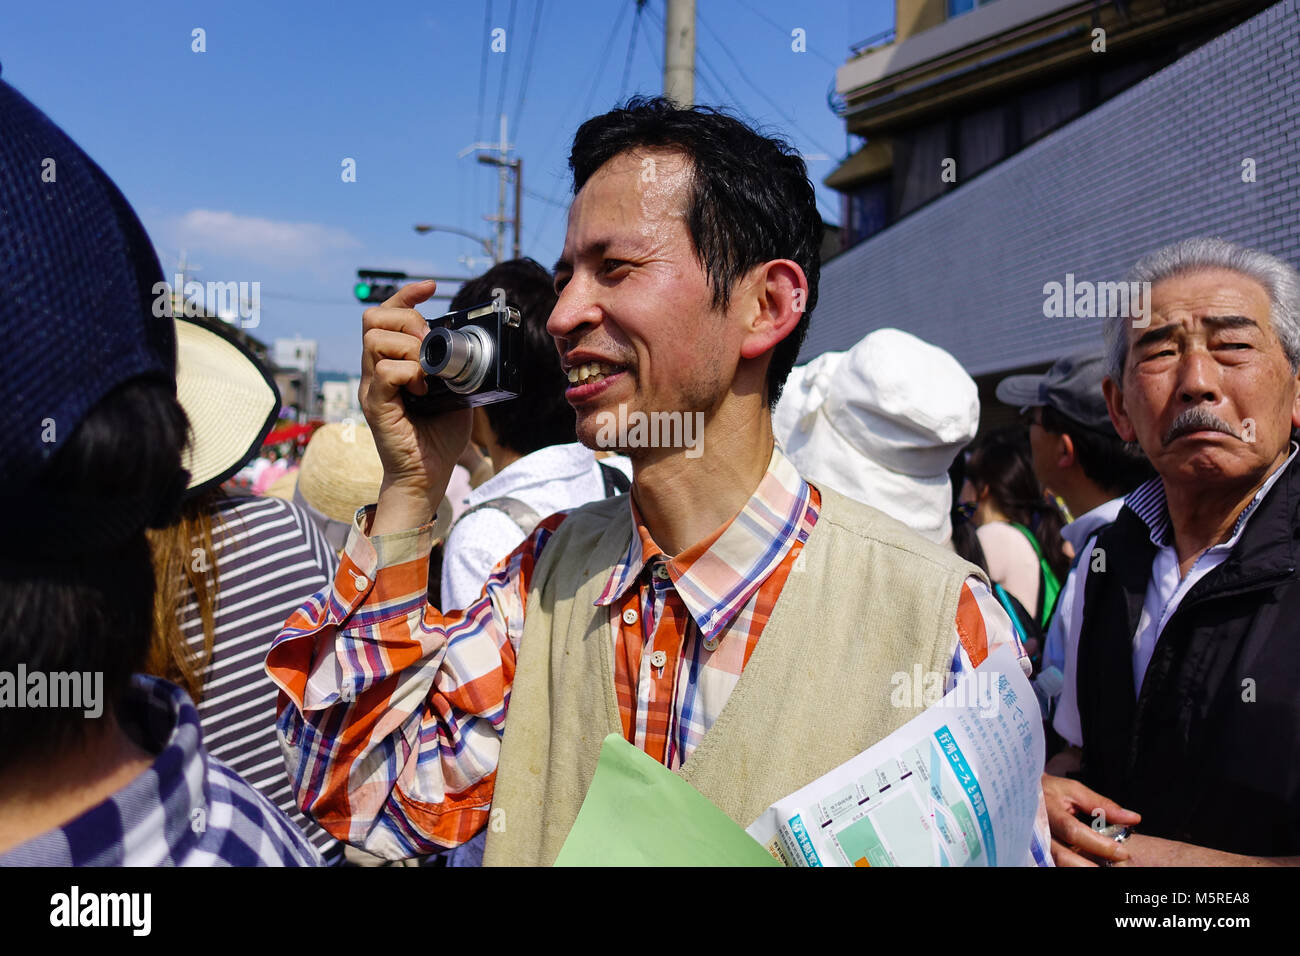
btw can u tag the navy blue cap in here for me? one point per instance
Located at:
(77, 286)
(1071, 387)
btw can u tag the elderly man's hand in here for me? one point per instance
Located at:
(1075, 843)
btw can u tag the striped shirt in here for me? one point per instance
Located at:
(393, 710)
(269, 557)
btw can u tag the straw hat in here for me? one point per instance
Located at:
(231, 401)
(340, 473)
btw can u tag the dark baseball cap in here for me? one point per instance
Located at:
(1071, 387)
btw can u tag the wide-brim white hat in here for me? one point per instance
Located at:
(881, 423)
(230, 399)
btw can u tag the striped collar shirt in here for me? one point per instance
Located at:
(685, 626)
(187, 809)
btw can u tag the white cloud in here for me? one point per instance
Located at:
(265, 241)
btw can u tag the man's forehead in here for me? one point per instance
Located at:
(631, 200)
(1208, 292)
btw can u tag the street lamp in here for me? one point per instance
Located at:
(424, 229)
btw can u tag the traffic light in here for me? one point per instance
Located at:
(373, 286)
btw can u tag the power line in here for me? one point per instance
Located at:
(703, 65)
(654, 52)
(538, 196)
(505, 60)
(631, 49)
(528, 66)
(764, 17)
(586, 109)
(482, 73)
(744, 76)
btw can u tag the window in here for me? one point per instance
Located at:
(958, 7)
(868, 211)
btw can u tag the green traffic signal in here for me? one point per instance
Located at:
(362, 291)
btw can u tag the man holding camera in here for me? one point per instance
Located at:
(689, 268)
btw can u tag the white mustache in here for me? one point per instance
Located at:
(1195, 420)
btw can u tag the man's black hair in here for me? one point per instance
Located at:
(1109, 462)
(541, 416)
(750, 198)
(92, 612)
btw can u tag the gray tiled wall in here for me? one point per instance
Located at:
(1160, 162)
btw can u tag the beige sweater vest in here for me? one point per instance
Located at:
(868, 598)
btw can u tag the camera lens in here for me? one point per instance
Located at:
(460, 357)
(436, 351)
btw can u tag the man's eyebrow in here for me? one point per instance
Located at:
(1229, 322)
(1158, 334)
(595, 248)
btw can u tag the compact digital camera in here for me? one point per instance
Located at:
(470, 358)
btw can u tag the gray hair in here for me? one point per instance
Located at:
(1278, 277)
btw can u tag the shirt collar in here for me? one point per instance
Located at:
(1081, 528)
(716, 577)
(1148, 502)
(158, 810)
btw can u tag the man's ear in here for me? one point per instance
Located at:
(1295, 405)
(1066, 458)
(774, 303)
(1115, 405)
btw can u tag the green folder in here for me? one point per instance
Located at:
(639, 813)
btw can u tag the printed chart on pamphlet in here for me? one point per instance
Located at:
(955, 786)
(907, 811)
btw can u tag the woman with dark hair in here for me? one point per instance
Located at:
(1018, 526)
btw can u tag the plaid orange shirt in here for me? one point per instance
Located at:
(393, 711)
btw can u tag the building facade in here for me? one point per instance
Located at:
(1208, 145)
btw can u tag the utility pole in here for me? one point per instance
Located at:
(679, 52)
(504, 166)
(519, 203)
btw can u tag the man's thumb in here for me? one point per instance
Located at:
(409, 296)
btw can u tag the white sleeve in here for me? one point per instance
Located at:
(476, 543)
(1066, 720)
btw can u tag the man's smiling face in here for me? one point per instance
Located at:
(634, 298)
(1208, 391)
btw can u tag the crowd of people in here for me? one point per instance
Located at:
(320, 670)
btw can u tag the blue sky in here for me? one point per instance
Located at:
(234, 155)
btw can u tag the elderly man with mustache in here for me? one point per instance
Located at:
(1182, 695)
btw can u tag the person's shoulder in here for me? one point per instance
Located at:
(483, 528)
(867, 522)
(241, 827)
(1000, 534)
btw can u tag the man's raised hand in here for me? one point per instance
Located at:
(417, 454)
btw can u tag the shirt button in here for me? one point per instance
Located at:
(359, 581)
(711, 644)
(629, 616)
(661, 572)
(658, 659)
